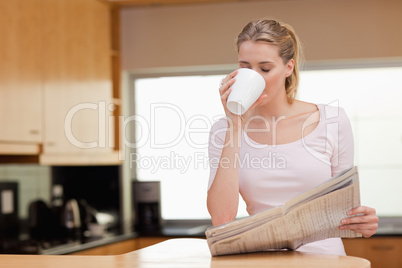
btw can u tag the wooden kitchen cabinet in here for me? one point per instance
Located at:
(20, 77)
(78, 95)
(147, 241)
(124, 246)
(112, 249)
(58, 97)
(380, 251)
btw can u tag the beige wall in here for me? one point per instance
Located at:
(203, 34)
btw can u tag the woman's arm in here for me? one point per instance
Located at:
(223, 195)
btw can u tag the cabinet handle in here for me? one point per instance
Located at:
(383, 247)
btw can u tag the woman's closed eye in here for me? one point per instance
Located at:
(265, 70)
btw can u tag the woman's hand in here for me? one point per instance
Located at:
(225, 90)
(365, 221)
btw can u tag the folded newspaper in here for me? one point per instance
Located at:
(311, 216)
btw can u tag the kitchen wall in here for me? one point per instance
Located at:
(203, 34)
(34, 182)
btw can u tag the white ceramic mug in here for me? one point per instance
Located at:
(247, 88)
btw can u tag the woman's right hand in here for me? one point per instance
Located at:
(225, 90)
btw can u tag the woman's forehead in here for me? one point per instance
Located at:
(258, 51)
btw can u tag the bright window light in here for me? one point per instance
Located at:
(180, 112)
(372, 99)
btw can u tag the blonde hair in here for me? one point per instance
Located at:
(283, 36)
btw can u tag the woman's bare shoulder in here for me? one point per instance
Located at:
(302, 109)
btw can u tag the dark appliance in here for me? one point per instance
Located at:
(72, 219)
(9, 224)
(95, 188)
(39, 220)
(146, 199)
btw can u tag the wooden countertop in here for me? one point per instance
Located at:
(182, 252)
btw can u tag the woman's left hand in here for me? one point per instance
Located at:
(365, 221)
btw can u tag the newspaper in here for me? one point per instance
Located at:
(311, 216)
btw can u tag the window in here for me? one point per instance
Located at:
(177, 113)
(372, 99)
(173, 144)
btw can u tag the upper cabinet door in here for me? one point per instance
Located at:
(21, 71)
(77, 77)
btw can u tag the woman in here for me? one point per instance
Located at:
(280, 147)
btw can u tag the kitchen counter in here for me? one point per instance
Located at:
(169, 230)
(79, 246)
(388, 227)
(25, 245)
(184, 252)
(179, 228)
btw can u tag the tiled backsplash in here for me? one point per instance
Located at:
(34, 182)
